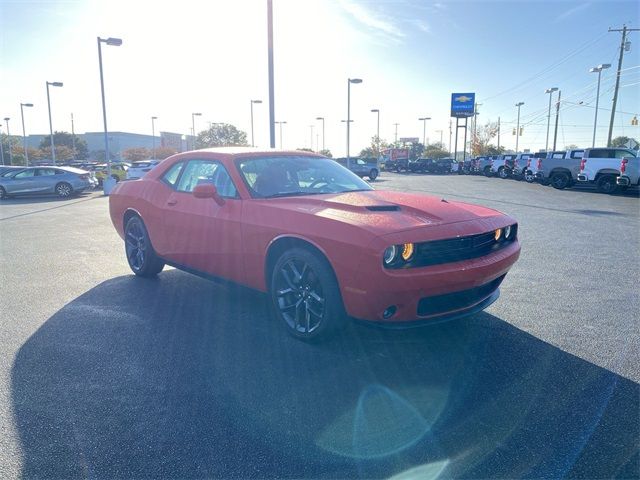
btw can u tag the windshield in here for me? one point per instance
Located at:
(287, 176)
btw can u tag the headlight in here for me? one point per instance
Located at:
(497, 234)
(507, 232)
(407, 251)
(390, 254)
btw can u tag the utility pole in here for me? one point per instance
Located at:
(615, 93)
(498, 133)
(450, 136)
(396, 140)
(73, 139)
(555, 134)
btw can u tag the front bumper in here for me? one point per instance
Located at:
(452, 289)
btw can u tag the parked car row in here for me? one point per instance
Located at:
(66, 180)
(422, 165)
(608, 169)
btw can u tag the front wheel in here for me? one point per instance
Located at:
(142, 259)
(529, 177)
(63, 190)
(502, 173)
(305, 295)
(373, 174)
(487, 171)
(607, 184)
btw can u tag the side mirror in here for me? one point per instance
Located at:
(207, 190)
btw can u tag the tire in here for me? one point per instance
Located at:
(503, 173)
(529, 177)
(487, 171)
(64, 190)
(373, 174)
(141, 257)
(607, 184)
(560, 180)
(305, 296)
(3, 193)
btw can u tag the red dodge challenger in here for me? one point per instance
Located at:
(318, 239)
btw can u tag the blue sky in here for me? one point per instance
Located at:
(188, 56)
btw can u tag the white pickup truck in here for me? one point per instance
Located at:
(601, 166)
(629, 172)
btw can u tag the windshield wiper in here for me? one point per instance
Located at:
(287, 194)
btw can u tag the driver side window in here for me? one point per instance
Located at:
(197, 172)
(25, 174)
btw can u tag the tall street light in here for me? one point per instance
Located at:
(24, 135)
(108, 182)
(550, 92)
(53, 149)
(424, 129)
(252, 102)
(519, 104)
(322, 118)
(280, 127)
(311, 137)
(396, 137)
(193, 128)
(598, 69)
(349, 82)
(6, 119)
(377, 111)
(153, 137)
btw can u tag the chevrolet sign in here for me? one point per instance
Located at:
(462, 104)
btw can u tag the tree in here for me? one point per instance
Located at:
(377, 145)
(16, 149)
(67, 140)
(415, 151)
(161, 153)
(621, 141)
(483, 135)
(221, 135)
(435, 150)
(326, 152)
(493, 150)
(136, 153)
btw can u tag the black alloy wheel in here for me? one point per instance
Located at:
(373, 174)
(305, 295)
(142, 259)
(560, 180)
(607, 184)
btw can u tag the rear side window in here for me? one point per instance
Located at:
(170, 177)
(623, 153)
(43, 172)
(602, 153)
(557, 155)
(577, 154)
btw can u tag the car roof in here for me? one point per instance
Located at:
(253, 152)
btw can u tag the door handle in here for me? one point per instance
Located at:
(172, 202)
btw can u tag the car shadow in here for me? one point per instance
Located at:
(179, 377)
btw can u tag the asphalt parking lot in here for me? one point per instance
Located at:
(103, 375)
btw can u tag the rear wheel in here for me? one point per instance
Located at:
(503, 173)
(607, 184)
(142, 259)
(529, 177)
(560, 180)
(64, 190)
(487, 171)
(305, 295)
(373, 174)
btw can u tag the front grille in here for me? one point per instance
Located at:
(456, 249)
(457, 300)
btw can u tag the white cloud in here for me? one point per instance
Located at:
(376, 22)
(572, 11)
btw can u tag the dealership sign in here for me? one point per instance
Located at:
(462, 104)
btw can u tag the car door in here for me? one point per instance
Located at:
(45, 180)
(22, 182)
(199, 232)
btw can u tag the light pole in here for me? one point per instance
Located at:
(349, 82)
(1, 150)
(598, 69)
(424, 129)
(6, 119)
(322, 118)
(53, 149)
(311, 137)
(550, 92)
(396, 138)
(108, 182)
(153, 137)
(519, 104)
(280, 127)
(73, 138)
(377, 111)
(252, 102)
(440, 136)
(24, 135)
(193, 128)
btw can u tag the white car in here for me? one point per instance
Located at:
(140, 168)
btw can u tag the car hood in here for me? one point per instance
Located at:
(383, 212)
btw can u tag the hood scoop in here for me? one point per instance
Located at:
(383, 208)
